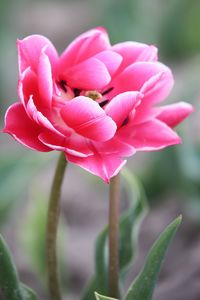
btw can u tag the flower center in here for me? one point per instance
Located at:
(94, 95)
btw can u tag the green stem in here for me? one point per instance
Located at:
(52, 228)
(113, 272)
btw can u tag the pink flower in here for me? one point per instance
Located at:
(95, 102)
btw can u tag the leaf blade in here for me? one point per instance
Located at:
(9, 281)
(101, 297)
(144, 284)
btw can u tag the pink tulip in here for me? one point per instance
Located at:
(95, 102)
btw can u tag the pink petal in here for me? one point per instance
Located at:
(111, 60)
(104, 166)
(29, 50)
(74, 145)
(90, 74)
(115, 147)
(152, 135)
(133, 51)
(83, 47)
(22, 128)
(121, 105)
(174, 114)
(38, 117)
(153, 79)
(88, 119)
(28, 85)
(45, 80)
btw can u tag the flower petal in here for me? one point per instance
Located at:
(173, 114)
(104, 166)
(28, 86)
(115, 147)
(22, 128)
(88, 119)
(153, 79)
(38, 117)
(133, 51)
(121, 105)
(45, 80)
(83, 47)
(152, 135)
(29, 50)
(74, 145)
(90, 74)
(111, 60)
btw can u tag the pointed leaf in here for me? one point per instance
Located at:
(9, 281)
(144, 284)
(101, 297)
(28, 293)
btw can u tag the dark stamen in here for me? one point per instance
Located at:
(107, 91)
(103, 103)
(125, 121)
(63, 84)
(76, 92)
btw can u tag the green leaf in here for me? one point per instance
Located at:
(9, 281)
(144, 284)
(10, 284)
(101, 297)
(129, 224)
(28, 293)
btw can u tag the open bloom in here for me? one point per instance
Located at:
(96, 102)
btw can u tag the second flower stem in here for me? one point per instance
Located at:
(113, 272)
(52, 228)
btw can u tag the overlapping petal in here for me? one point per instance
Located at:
(29, 50)
(88, 119)
(153, 79)
(133, 52)
(27, 86)
(74, 145)
(22, 128)
(111, 60)
(104, 166)
(83, 47)
(45, 81)
(121, 106)
(149, 136)
(88, 75)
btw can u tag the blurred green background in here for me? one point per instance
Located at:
(25, 176)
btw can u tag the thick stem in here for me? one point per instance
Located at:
(114, 237)
(52, 227)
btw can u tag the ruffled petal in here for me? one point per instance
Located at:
(174, 114)
(83, 47)
(90, 119)
(73, 145)
(133, 51)
(22, 128)
(29, 50)
(38, 117)
(152, 135)
(45, 81)
(104, 166)
(90, 74)
(28, 86)
(111, 60)
(121, 105)
(153, 79)
(115, 147)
